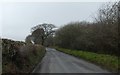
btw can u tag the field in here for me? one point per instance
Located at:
(106, 61)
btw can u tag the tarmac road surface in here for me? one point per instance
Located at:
(58, 62)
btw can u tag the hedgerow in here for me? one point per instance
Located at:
(19, 57)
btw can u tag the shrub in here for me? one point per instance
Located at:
(20, 58)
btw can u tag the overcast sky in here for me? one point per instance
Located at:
(18, 18)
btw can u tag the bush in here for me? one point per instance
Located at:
(20, 58)
(100, 36)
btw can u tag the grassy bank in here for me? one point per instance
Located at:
(106, 61)
(19, 57)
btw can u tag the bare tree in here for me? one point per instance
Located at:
(42, 31)
(108, 13)
(100, 36)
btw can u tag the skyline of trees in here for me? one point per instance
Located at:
(40, 33)
(100, 36)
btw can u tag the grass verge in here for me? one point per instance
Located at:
(106, 61)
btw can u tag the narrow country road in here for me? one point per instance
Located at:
(58, 62)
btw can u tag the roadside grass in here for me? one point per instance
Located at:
(106, 61)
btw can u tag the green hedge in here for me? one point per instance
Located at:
(19, 57)
(106, 61)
